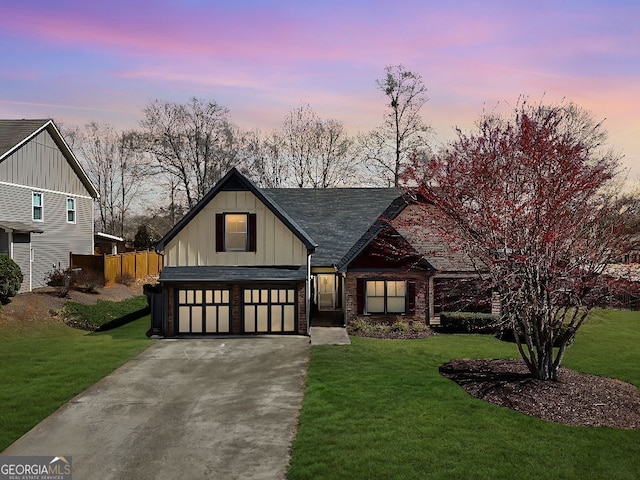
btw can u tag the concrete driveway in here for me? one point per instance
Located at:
(184, 409)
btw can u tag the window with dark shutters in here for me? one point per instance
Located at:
(251, 244)
(223, 239)
(220, 232)
(360, 295)
(411, 298)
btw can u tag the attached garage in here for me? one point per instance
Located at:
(234, 300)
(204, 310)
(269, 310)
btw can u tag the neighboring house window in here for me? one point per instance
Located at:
(236, 232)
(71, 210)
(37, 206)
(385, 296)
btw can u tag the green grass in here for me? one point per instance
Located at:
(46, 364)
(105, 313)
(379, 409)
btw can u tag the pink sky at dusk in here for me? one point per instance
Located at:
(80, 61)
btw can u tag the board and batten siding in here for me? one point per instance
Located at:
(40, 163)
(195, 244)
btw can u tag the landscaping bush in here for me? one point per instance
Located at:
(10, 278)
(61, 279)
(468, 322)
(367, 327)
(89, 280)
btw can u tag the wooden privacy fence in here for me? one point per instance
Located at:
(120, 267)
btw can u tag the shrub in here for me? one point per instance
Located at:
(401, 328)
(10, 278)
(125, 279)
(61, 279)
(468, 322)
(88, 279)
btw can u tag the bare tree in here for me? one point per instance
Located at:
(193, 142)
(533, 200)
(317, 153)
(115, 165)
(263, 160)
(387, 149)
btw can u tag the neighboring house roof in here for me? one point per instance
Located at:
(232, 274)
(106, 236)
(234, 180)
(336, 217)
(19, 227)
(15, 133)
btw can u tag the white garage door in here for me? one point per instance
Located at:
(269, 310)
(204, 311)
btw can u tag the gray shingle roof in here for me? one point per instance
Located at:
(14, 132)
(336, 218)
(236, 180)
(233, 274)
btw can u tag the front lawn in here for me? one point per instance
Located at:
(379, 409)
(45, 364)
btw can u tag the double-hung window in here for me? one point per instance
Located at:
(36, 204)
(236, 232)
(71, 210)
(385, 296)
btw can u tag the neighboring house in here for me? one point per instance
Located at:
(251, 260)
(106, 244)
(46, 200)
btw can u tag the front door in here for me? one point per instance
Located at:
(326, 292)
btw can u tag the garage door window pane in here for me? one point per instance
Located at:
(250, 318)
(263, 318)
(184, 317)
(196, 319)
(289, 318)
(276, 318)
(223, 320)
(212, 317)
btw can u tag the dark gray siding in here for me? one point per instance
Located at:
(22, 256)
(4, 242)
(40, 163)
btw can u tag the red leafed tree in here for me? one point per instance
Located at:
(535, 204)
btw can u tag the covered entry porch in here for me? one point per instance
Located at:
(327, 298)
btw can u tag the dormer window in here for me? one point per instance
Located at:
(236, 232)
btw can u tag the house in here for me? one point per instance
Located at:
(46, 200)
(247, 260)
(106, 244)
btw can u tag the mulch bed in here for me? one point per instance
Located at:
(577, 398)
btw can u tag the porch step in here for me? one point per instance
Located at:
(327, 319)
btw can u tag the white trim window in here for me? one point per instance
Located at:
(71, 210)
(36, 207)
